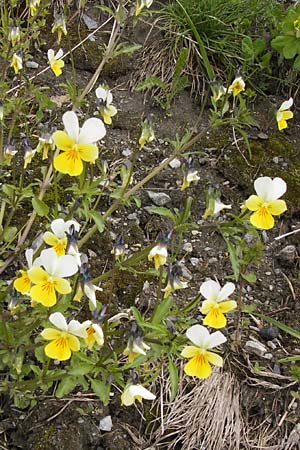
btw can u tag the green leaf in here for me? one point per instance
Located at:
(259, 46)
(250, 277)
(282, 326)
(81, 369)
(248, 308)
(124, 49)
(9, 234)
(296, 64)
(151, 82)
(234, 260)
(289, 359)
(290, 50)
(102, 390)
(165, 212)
(162, 310)
(66, 386)
(137, 315)
(98, 219)
(40, 207)
(173, 372)
(191, 305)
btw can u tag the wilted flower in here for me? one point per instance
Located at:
(136, 346)
(58, 238)
(266, 203)
(201, 358)
(119, 247)
(14, 35)
(59, 26)
(29, 152)
(17, 62)
(178, 277)
(135, 392)
(45, 143)
(147, 134)
(77, 144)
(55, 61)
(50, 279)
(283, 114)
(9, 151)
(213, 204)
(218, 92)
(94, 335)
(64, 340)
(23, 283)
(86, 286)
(237, 86)
(216, 303)
(190, 174)
(105, 106)
(141, 4)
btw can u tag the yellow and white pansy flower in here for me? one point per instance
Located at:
(14, 35)
(59, 26)
(94, 335)
(190, 177)
(64, 338)
(147, 133)
(216, 303)
(135, 348)
(50, 279)
(135, 392)
(55, 61)
(237, 86)
(159, 254)
(58, 238)
(17, 62)
(283, 114)
(200, 355)
(23, 283)
(77, 144)
(90, 291)
(106, 108)
(266, 203)
(33, 6)
(141, 4)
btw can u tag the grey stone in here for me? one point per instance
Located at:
(132, 216)
(90, 23)
(32, 65)
(105, 424)
(288, 253)
(159, 198)
(175, 163)
(188, 247)
(256, 348)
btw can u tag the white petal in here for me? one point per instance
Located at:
(29, 256)
(72, 222)
(66, 266)
(279, 188)
(71, 124)
(225, 292)
(48, 259)
(99, 334)
(216, 339)
(58, 227)
(101, 93)
(50, 55)
(58, 320)
(219, 206)
(109, 98)
(286, 105)
(198, 335)
(137, 349)
(264, 188)
(78, 329)
(210, 289)
(59, 54)
(138, 390)
(92, 131)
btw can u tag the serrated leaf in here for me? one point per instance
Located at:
(98, 219)
(66, 386)
(81, 369)
(162, 310)
(151, 82)
(102, 390)
(40, 207)
(173, 372)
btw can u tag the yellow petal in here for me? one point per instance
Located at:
(37, 275)
(207, 306)
(88, 152)
(106, 118)
(62, 286)
(50, 334)
(225, 307)
(262, 219)
(22, 284)
(277, 207)
(190, 351)
(253, 203)
(44, 293)
(69, 162)
(286, 115)
(159, 260)
(215, 318)
(56, 66)
(58, 349)
(62, 141)
(73, 343)
(214, 359)
(198, 367)
(282, 124)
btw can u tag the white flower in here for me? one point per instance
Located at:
(90, 291)
(135, 392)
(74, 327)
(106, 108)
(219, 206)
(58, 239)
(211, 290)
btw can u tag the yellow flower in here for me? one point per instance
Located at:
(58, 239)
(147, 134)
(135, 392)
(177, 275)
(218, 92)
(9, 151)
(29, 152)
(201, 358)
(141, 4)
(216, 303)
(55, 61)
(191, 176)
(17, 62)
(50, 280)
(59, 26)
(77, 144)
(159, 254)
(64, 340)
(45, 143)
(135, 348)
(266, 203)
(23, 283)
(33, 6)
(237, 86)
(105, 104)
(94, 335)
(14, 35)
(283, 114)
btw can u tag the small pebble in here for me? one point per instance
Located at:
(159, 198)
(32, 65)
(269, 333)
(105, 424)
(188, 247)
(175, 163)
(194, 261)
(268, 356)
(132, 216)
(271, 345)
(126, 152)
(255, 348)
